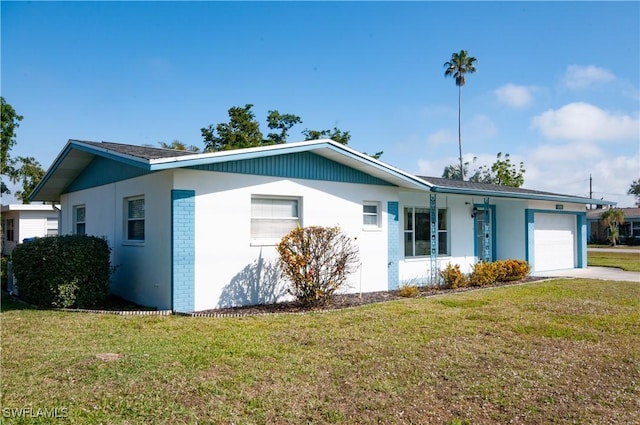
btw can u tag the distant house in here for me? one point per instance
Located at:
(24, 221)
(629, 230)
(191, 232)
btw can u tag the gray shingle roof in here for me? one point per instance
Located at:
(144, 152)
(459, 184)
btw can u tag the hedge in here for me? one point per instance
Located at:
(63, 271)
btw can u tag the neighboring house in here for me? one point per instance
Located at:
(24, 221)
(629, 231)
(191, 232)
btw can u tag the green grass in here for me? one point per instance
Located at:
(629, 261)
(561, 351)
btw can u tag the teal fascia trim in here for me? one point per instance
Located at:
(581, 234)
(101, 171)
(393, 245)
(529, 228)
(476, 248)
(301, 165)
(183, 250)
(581, 226)
(538, 197)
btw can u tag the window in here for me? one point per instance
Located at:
(79, 220)
(272, 218)
(417, 232)
(370, 214)
(9, 230)
(52, 226)
(135, 219)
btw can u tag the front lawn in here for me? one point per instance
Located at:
(629, 261)
(561, 351)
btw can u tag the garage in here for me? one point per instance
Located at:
(554, 241)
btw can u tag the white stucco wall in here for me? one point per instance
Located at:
(143, 270)
(227, 264)
(416, 270)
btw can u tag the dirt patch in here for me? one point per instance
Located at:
(348, 300)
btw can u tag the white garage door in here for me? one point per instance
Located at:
(554, 241)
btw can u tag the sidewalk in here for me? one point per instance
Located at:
(603, 273)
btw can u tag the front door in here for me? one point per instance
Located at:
(484, 239)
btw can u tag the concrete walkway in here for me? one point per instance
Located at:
(630, 249)
(603, 273)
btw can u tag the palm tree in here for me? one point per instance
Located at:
(613, 218)
(460, 65)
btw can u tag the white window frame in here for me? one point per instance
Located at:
(258, 239)
(441, 231)
(376, 214)
(76, 221)
(128, 219)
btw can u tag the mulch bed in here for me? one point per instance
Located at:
(347, 300)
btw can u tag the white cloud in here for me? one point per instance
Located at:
(480, 126)
(441, 137)
(582, 121)
(611, 175)
(516, 96)
(565, 152)
(579, 77)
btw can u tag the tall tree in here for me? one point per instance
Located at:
(634, 189)
(283, 123)
(179, 146)
(29, 172)
(457, 67)
(242, 131)
(9, 120)
(501, 172)
(336, 135)
(613, 218)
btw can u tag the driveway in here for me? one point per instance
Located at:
(603, 273)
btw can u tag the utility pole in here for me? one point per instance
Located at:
(590, 189)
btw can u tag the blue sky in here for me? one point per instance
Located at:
(557, 83)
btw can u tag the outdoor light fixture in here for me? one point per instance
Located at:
(474, 212)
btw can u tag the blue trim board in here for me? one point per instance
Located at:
(393, 244)
(581, 235)
(101, 171)
(183, 209)
(302, 165)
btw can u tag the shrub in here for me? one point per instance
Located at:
(63, 271)
(408, 291)
(453, 277)
(317, 261)
(509, 270)
(483, 274)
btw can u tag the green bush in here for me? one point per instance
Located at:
(317, 261)
(510, 270)
(483, 274)
(453, 277)
(63, 271)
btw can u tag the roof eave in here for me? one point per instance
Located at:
(529, 196)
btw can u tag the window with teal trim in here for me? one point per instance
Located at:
(417, 232)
